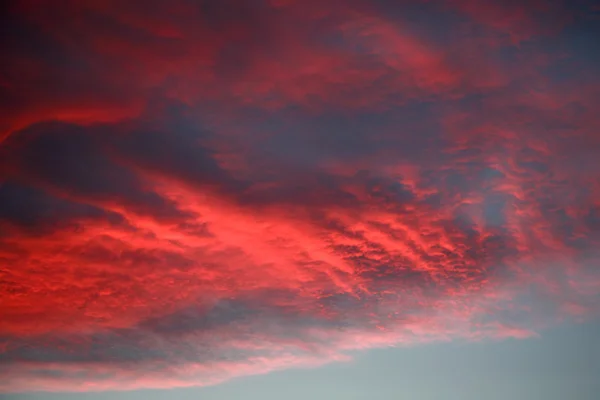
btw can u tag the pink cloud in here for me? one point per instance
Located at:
(190, 194)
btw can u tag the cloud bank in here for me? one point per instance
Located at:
(192, 191)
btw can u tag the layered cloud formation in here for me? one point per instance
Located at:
(196, 190)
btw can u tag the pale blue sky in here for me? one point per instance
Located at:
(564, 363)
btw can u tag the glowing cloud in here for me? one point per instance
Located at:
(192, 191)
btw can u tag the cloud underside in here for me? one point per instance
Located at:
(194, 191)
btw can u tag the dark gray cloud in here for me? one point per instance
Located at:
(76, 162)
(35, 210)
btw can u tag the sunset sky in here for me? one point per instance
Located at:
(300, 199)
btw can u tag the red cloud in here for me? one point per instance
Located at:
(196, 191)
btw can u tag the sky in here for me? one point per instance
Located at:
(353, 199)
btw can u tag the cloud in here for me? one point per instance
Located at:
(195, 191)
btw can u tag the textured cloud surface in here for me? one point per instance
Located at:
(192, 191)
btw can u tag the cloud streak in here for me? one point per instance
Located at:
(195, 191)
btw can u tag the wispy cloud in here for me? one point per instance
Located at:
(193, 191)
